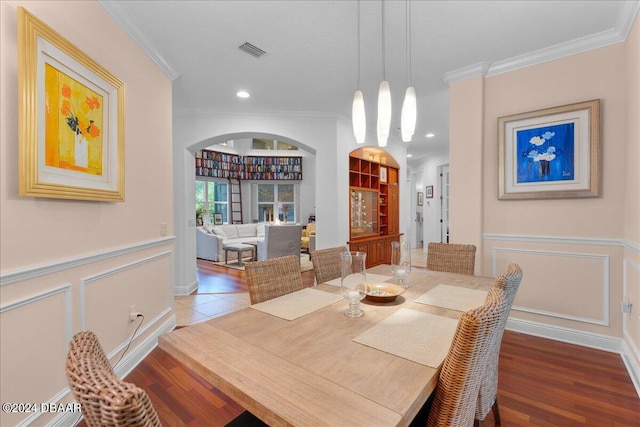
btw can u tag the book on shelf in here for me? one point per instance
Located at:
(223, 165)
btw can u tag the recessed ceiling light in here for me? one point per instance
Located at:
(429, 135)
(243, 94)
(409, 155)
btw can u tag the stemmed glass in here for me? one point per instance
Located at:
(353, 281)
(401, 261)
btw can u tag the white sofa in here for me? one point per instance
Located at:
(211, 239)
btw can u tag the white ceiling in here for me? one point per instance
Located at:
(311, 61)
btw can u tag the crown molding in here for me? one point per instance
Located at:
(583, 44)
(624, 23)
(116, 11)
(469, 72)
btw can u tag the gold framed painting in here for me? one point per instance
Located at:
(71, 119)
(551, 153)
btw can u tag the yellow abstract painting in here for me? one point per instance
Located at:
(73, 124)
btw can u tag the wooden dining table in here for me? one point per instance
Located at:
(309, 371)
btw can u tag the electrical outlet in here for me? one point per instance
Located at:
(163, 229)
(133, 314)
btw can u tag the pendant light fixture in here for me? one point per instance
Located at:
(358, 116)
(384, 98)
(409, 108)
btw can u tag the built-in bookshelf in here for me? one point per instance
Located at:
(374, 204)
(224, 165)
(218, 165)
(259, 167)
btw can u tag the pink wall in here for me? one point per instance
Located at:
(71, 265)
(580, 257)
(63, 228)
(466, 173)
(595, 74)
(631, 284)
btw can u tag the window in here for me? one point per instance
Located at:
(276, 201)
(271, 144)
(212, 197)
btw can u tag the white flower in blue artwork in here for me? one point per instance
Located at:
(545, 156)
(546, 153)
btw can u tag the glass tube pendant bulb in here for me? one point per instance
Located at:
(409, 113)
(358, 117)
(384, 113)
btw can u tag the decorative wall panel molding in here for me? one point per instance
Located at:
(65, 290)
(628, 265)
(605, 285)
(14, 276)
(94, 278)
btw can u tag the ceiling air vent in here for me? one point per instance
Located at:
(251, 49)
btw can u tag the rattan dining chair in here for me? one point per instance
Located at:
(105, 400)
(271, 278)
(85, 344)
(326, 263)
(456, 394)
(488, 396)
(451, 257)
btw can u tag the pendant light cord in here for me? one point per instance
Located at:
(384, 65)
(408, 40)
(358, 39)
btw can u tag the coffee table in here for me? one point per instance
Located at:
(238, 248)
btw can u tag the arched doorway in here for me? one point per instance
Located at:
(250, 146)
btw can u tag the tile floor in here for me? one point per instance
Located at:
(200, 307)
(197, 308)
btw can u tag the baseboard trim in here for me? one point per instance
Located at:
(585, 339)
(632, 368)
(185, 290)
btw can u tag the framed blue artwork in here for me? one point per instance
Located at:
(551, 153)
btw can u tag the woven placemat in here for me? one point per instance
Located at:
(420, 337)
(371, 278)
(297, 304)
(453, 297)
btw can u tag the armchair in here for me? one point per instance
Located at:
(305, 240)
(280, 240)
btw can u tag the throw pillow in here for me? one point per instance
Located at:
(246, 230)
(260, 230)
(219, 232)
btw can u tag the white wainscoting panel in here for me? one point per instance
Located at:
(553, 279)
(30, 272)
(631, 322)
(107, 296)
(43, 348)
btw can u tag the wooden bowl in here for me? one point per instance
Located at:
(383, 292)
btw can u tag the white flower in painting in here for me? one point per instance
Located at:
(538, 141)
(547, 155)
(548, 135)
(544, 156)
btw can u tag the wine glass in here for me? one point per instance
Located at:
(353, 281)
(401, 261)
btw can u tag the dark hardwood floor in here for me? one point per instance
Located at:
(215, 279)
(542, 383)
